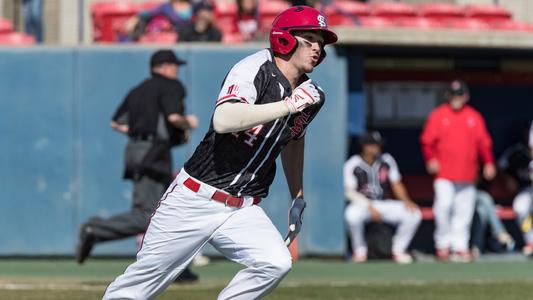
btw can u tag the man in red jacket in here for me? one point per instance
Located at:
(453, 139)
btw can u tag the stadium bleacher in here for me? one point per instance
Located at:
(9, 37)
(5, 26)
(109, 17)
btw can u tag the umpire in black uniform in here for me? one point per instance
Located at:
(153, 117)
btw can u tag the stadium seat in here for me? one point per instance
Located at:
(109, 18)
(420, 188)
(97, 10)
(232, 38)
(345, 12)
(488, 13)
(468, 24)
(148, 5)
(5, 26)
(512, 26)
(393, 10)
(16, 39)
(375, 22)
(268, 10)
(225, 8)
(225, 15)
(441, 11)
(419, 23)
(159, 38)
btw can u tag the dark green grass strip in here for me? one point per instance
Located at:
(398, 291)
(309, 279)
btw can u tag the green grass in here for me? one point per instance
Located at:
(309, 279)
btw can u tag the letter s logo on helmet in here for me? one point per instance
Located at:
(298, 18)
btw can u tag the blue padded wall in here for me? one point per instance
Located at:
(61, 163)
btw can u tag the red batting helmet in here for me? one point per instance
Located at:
(298, 18)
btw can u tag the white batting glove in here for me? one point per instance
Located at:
(303, 96)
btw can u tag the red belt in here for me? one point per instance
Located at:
(219, 196)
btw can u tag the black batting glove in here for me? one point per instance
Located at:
(295, 219)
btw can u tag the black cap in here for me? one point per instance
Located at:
(203, 5)
(371, 137)
(165, 56)
(457, 88)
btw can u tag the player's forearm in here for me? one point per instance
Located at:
(400, 192)
(428, 152)
(486, 155)
(234, 117)
(122, 128)
(178, 121)
(292, 158)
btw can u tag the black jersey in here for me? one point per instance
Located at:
(244, 163)
(515, 162)
(147, 106)
(373, 181)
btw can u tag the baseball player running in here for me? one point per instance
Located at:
(263, 109)
(371, 179)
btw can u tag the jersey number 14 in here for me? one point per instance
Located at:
(251, 134)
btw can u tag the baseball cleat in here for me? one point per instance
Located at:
(527, 250)
(402, 258)
(443, 255)
(359, 258)
(506, 240)
(85, 243)
(461, 257)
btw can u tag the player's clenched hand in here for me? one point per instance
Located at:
(192, 120)
(433, 166)
(374, 213)
(295, 219)
(489, 171)
(303, 96)
(410, 205)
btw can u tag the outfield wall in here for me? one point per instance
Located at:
(61, 163)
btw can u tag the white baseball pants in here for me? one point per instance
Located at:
(391, 211)
(180, 227)
(453, 208)
(522, 208)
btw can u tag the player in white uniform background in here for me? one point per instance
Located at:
(263, 109)
(518, 163)
(372, 181)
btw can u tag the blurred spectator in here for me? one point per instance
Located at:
(33, 18)
(246, 21)
(304, 2)
(175, 14)
(202, 27)
(371, 180)
(514, 164)
(453, 137)
(486, 217)
(531, 139)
